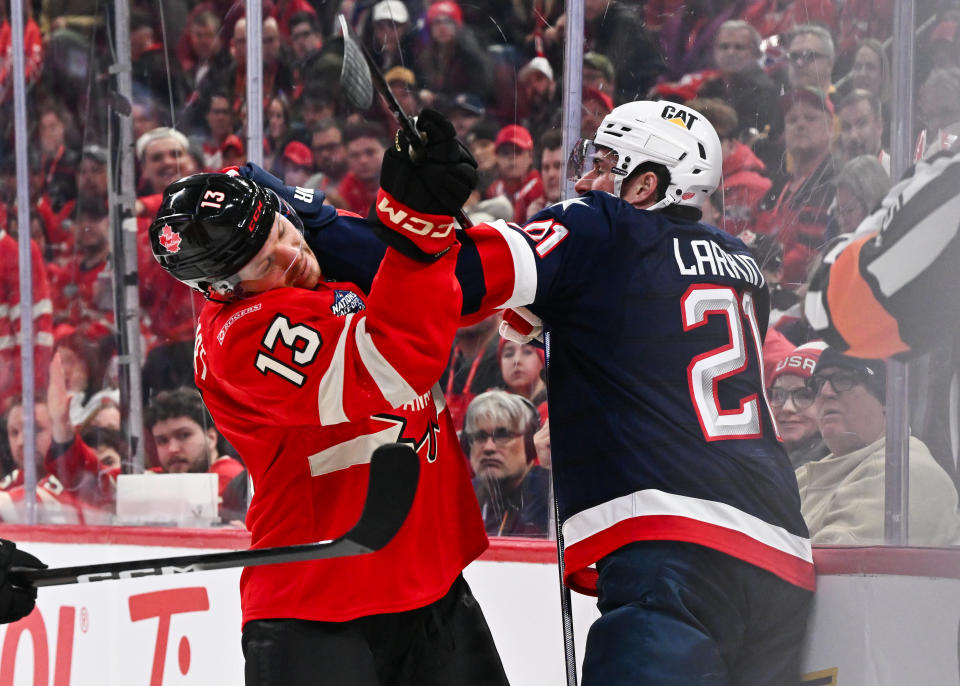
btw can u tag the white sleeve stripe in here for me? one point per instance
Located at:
(330, 391)
(393, 386)
(917, 249)
(45, 338)
(524, 266)
(351, 452)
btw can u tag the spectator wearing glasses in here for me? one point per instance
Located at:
(810, 57)
(792, 401)
(498, 439)
(842, 494)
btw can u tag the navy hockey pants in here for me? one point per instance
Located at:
(679, 614)
(446, 643)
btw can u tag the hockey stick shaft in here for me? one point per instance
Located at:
(394, 475)
(380, 84)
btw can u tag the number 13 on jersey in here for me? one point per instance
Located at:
(706, 370)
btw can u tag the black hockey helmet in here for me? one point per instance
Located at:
(209, 226)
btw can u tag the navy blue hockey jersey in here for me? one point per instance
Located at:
(660, 429)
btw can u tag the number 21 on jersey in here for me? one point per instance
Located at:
(705, 370)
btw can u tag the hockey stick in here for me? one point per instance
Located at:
(394, 474)
(359, 77)
(566, 602)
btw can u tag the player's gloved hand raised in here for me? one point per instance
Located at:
(422, 188)
(16, 602)
(307, 202)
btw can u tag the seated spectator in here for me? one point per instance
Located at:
(55, 504)
(596, 106)
(514, 494)
(842, 494)
(464, 111)
(390, 38)
(551, 171)
(599, 74)
(538, 98)
(83, 288)
(942, 45)
(297, 164)
(521, 367)
(306, 42)
(810, 58)
(85, 359)
(365, 143)
(871, 70)
(91, 184)
(152, 66)
(199, 48)
(164, 157)
(861, 185)
(450, 60)
(57, 142)
(795, 209)
(277, 132)
(939, 103)
(220, 127)
(861, 21)
(792, 401)
(482, 142)
(473, 367)
(329, 153)
(232, 152)
(742, 83)
(744, 180)
(15, 439)
(516, 177)
(186, 438)
(861, 128)
(403, 85)
(10, 332)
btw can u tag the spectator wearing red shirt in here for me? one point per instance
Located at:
(220, 124)
(744, 180)
(516, 177)
(795, 210)
(365, 143)
(777, 17)
(297, 164)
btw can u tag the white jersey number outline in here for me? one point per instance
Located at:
(302, 355)
(706, 370)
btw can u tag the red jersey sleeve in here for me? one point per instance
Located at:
(328, 356)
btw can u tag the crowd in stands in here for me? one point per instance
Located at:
(798, 91)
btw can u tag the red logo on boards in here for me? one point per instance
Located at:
(170, 239)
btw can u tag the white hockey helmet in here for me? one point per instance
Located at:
(673, 135)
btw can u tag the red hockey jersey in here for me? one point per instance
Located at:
(305, 385)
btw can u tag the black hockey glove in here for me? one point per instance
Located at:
(16, 602)
(422, 188)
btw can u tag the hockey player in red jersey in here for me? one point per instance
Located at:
(305, 378)
(668, 470)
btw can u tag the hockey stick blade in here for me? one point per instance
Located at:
(359, 76)
(394, 475)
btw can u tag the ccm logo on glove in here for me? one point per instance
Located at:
(396, 215)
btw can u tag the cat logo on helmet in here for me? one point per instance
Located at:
(675, 115)
(170, 239)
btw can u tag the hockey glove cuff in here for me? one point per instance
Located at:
(418, 235)
(16, 602)
(520, 325)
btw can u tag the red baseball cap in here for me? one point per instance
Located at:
(515, 134)
(598, 96)
(232, 141)
(801, 362)
(445, 8)
(298, 153)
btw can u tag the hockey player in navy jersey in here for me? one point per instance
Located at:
(668, 469)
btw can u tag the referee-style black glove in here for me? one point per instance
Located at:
(16, 602)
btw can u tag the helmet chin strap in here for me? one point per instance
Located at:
(666, 202)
